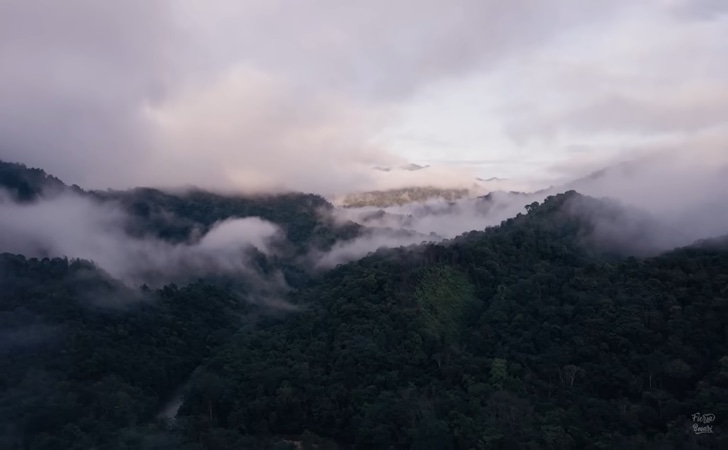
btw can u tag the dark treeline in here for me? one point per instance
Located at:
(529, 335)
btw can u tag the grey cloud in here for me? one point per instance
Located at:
(385, 48)
(701, 9)
(72, 77)
(259, 95)
(624, 114)
(145, 92)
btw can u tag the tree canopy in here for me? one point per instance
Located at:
(527, 335)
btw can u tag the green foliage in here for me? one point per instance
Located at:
(75, 373)
(179, 217)
(383, 199)
(522, 336)
(176, 217)
(444, 296)
(498, 372)
(516, 337)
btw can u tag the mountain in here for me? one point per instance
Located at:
(154, 219)
(568, 326)
(392, 197)
(521, 327)
(25, 184)
(417, 194)
(178, 217)
(86, 363)
(408, 195)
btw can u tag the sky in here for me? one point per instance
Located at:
(261, 95)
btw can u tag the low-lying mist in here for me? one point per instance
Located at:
(73, 226)
(669, 199)
(656, 203)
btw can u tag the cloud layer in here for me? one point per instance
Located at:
(259, 95)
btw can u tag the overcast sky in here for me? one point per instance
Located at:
(310, 95)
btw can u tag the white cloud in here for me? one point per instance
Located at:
(78, 227)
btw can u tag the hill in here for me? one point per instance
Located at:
(520, 336)
(179, 217)
(566, 327)
(392, 197)
(25, 184)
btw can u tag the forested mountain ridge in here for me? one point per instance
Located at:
(26, 184)
(543, 332)
(516, 337)
(178, 217)
(383, 199)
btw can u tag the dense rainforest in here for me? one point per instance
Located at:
(528, 335)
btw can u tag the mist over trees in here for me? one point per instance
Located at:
(571, 323)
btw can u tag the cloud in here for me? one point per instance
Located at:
(251, 95)
(646, 73)
(651, 78)
(258, 135)
(700, 9)
(418, 222)
(256, 95)
(73, 76)
(231, 233)
(77, 227)
(655, 202)
(378, 49)
(680, 191)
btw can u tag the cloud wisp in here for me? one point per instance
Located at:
(77, 227)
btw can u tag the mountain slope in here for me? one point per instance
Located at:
(25, 184)
(176, 217)
(541, 332)
(85, 360)
(180, 217)
(392, 197)
(520, 336)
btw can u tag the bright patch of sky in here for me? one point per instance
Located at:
(594, 95)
